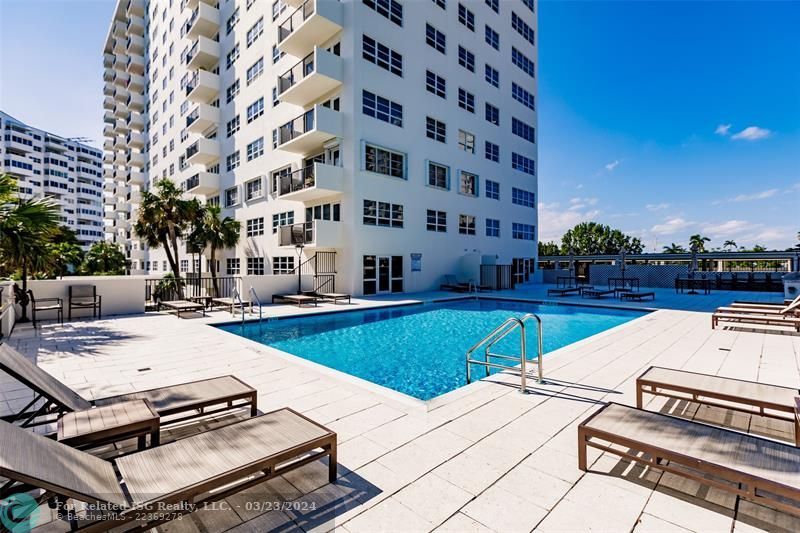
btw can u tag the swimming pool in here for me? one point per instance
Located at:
(420, 350)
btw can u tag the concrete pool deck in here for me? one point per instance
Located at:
(482, 458)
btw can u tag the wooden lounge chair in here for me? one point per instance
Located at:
(756, 469)
(334, 297)
(298, 299)
(766, 320)
(564, 291)
(791, 308)
(636, 295)
(771, 401)
(182, 306)
(190, 399)
(451, 283)
(134, 491)
(231, 304)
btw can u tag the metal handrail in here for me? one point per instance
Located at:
(539, 353)
(255, 299)
(237, 296)
(499, 333)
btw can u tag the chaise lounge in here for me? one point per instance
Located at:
(564, 291)
(183, 306)
(760, 470)
(763, 399)
(755, 319)
(298, 299)
(192, 399)
(334, 297)
(144, 489)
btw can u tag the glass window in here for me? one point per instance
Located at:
(524, 97)
(435, 129)
(492, 227)
(282, 265)
(384, 161)
(255, 226)
(525, 64)
(523, 232)
(492, 152)
(435, 39)
(438, 175)
(466, 17)
(391, 9)
(468, 183)
(255, 149)
(466, 100)
(253, 189)
(522, 28)
(255, 266)
(383, 214)
(382, 109)
(466, 58)
(523, 197)
(231, 196)
(523, 130)
(436, 221)
(466, 141)
(232, 160)
(523, 164)
(381, 55)
(435, 84)
(466, 224)
(492, 76)
(492, 114)
(492, 190)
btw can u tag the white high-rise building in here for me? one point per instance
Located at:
(398, 134)
(65, 170)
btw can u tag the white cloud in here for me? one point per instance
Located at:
(611, 166)
(657, 207)
(723, 129)
(747, 233)
(729, 228)
(752, 133)
(579, 203)
(554, 220)
(762, 195)
(671, 226)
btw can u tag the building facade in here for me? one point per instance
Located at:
(400, 135)
(67, 171)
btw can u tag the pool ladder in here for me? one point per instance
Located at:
(254, 295)
(499, 333)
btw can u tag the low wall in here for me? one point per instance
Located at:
(122, 295)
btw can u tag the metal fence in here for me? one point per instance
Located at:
(498, 277)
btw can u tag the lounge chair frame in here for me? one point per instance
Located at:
(55, 403)
(758, 490)
(182, 306)
(248, 475)
(766, 320)
(79, 298)
(293, 299)
(701, 396)
(636, 295)
(563, 291)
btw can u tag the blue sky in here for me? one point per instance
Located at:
(631, 99)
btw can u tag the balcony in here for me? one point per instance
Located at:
(136, 159)
(136, 83)
(203, 21)
(121, 78)
(120, 158)
(136, 102)
(109, 104)
(120, 174)
(108, 145)
(110, 201)
(202, 87)
(108, 74)
(136, 26)
(310, 130)
(119, 29)
(135, 7)
(120, 143)
(135, 44)
(120, 61)
(121, 127)
(110, 228)
(314, 234)
(136, 177)
(202, 183)
(312, 24)
(191, 4)
(109, 185)
(134, 196)
(108, 130)
(136, 121)
(108, 116)
(119, 45)
(313, 182)
(108, 60)
(121, 94)
(121, 206)
(135, 64)
(135, 140)
(202, 152)
(311, 78)
(121, 110)
(201, 118)
(204, 54)
(109, 89)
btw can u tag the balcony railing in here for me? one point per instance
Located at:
(300, 15)
(294, 128)
(295, 74)
(298, 180)
(296, 234)
(192, 51)
(195, 79)
(193, 116)
(192, 149)
(192, 182)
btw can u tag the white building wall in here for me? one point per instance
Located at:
(350, 237)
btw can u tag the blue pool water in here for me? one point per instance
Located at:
(420, 350)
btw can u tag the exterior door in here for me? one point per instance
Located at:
(384, 273)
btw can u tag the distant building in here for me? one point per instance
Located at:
(375, 129)
(69, 172)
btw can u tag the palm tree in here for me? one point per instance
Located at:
(215, 233)
(104, 258)
(674, 249)
(698, 242)
(25, 229)
(63, 254)
(730, 244)
(162, 219)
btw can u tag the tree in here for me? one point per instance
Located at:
(215, 233)
(674, 249)
(104, 259)
(25, 230)
(730, 244)
(62, 255)
(698, 242)
(162, 219)
(548, 248)
(589, 238)
(758, 248)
